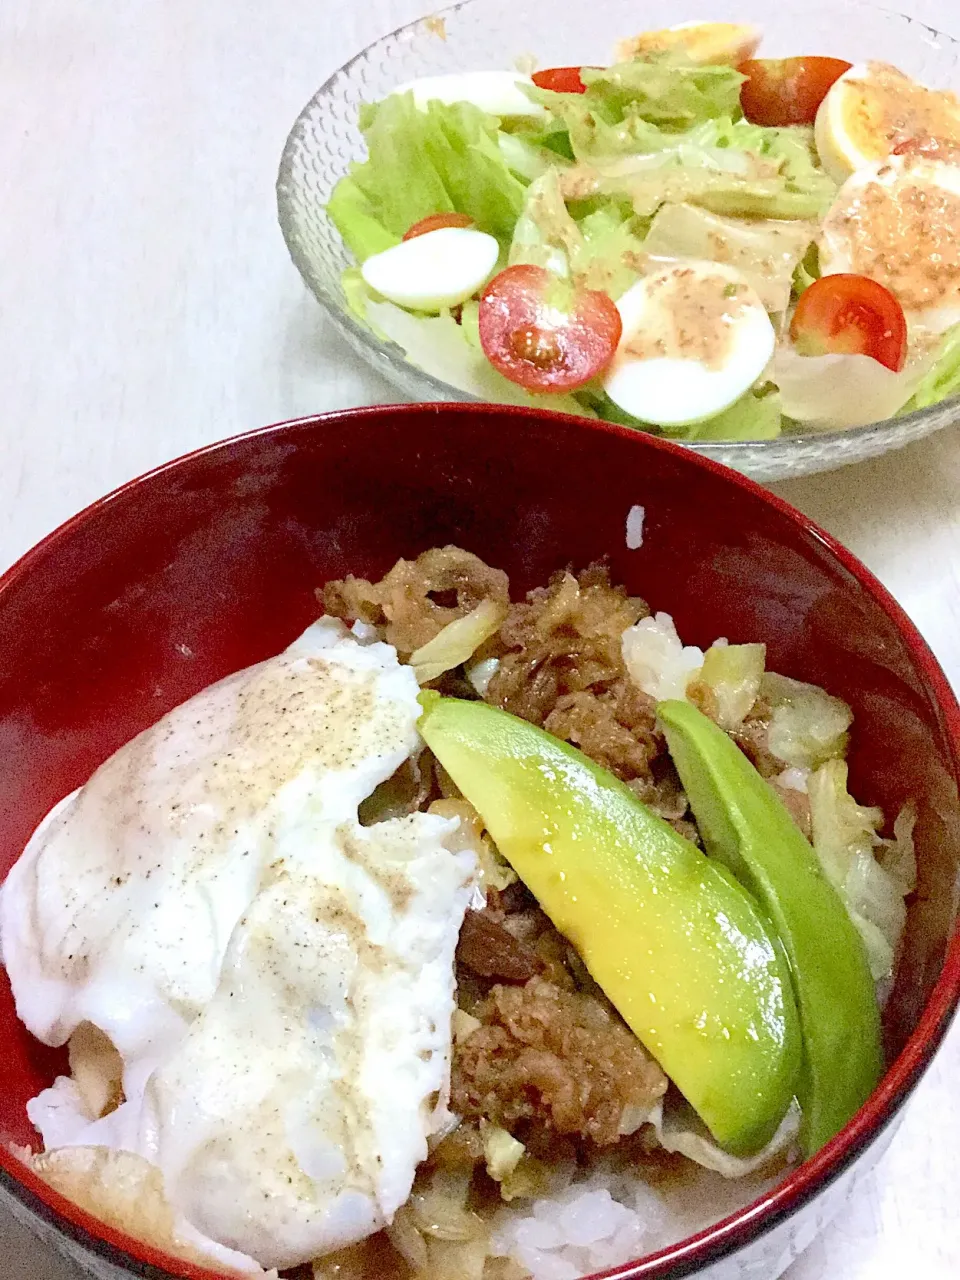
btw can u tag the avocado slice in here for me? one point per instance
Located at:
(745, 825)
(680, 949)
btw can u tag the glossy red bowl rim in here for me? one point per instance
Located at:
(736, 1230)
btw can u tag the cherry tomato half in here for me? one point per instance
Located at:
(781, 91)
(850, 315)
(436, 222)
(560, 80)
(544, 333)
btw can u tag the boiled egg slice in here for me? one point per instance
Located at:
(438, 269)
(896, 221)
(872, 109)
(695, 338)
(500, 93)
(708, 43)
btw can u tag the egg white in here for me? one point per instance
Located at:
(438, 269)
(674, 389)
(500, 93)
(277, 978)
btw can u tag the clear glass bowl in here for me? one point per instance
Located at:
(482, 34)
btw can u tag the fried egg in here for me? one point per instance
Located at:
(277, 978)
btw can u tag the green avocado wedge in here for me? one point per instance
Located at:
(745, 826)
(681, 950)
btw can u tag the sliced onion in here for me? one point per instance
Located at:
(679, 1130)
(458, 641)
(439, 1207)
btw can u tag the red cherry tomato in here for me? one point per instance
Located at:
(544, 333)
(436, 222)
(781, 91)
(560, 80)
(850, 315)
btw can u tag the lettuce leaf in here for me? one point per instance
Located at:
(943, 379)
(669, 91)
(357, 221)
(599, 252)
(447, 158)
(608, 256)
(726, 180)
(545, 234)
(755, 416)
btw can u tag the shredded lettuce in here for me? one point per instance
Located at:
(808, 270)
(525, 158)
(608, 255)
(355, 217)
(634, 106)
(447, 158)
(943, 379)
(728, 181)
(845, 838)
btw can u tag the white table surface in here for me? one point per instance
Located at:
(147, 306)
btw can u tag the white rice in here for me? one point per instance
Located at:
(609, 1216)
(657, 659)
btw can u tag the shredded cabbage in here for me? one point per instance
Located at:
(458, 641)
(732, 674)
(845, 838)
(807, 725)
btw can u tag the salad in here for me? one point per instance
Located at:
(692, 240)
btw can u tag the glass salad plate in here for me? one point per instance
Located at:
(499, 34)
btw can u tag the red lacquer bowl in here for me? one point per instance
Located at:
(210, 563)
